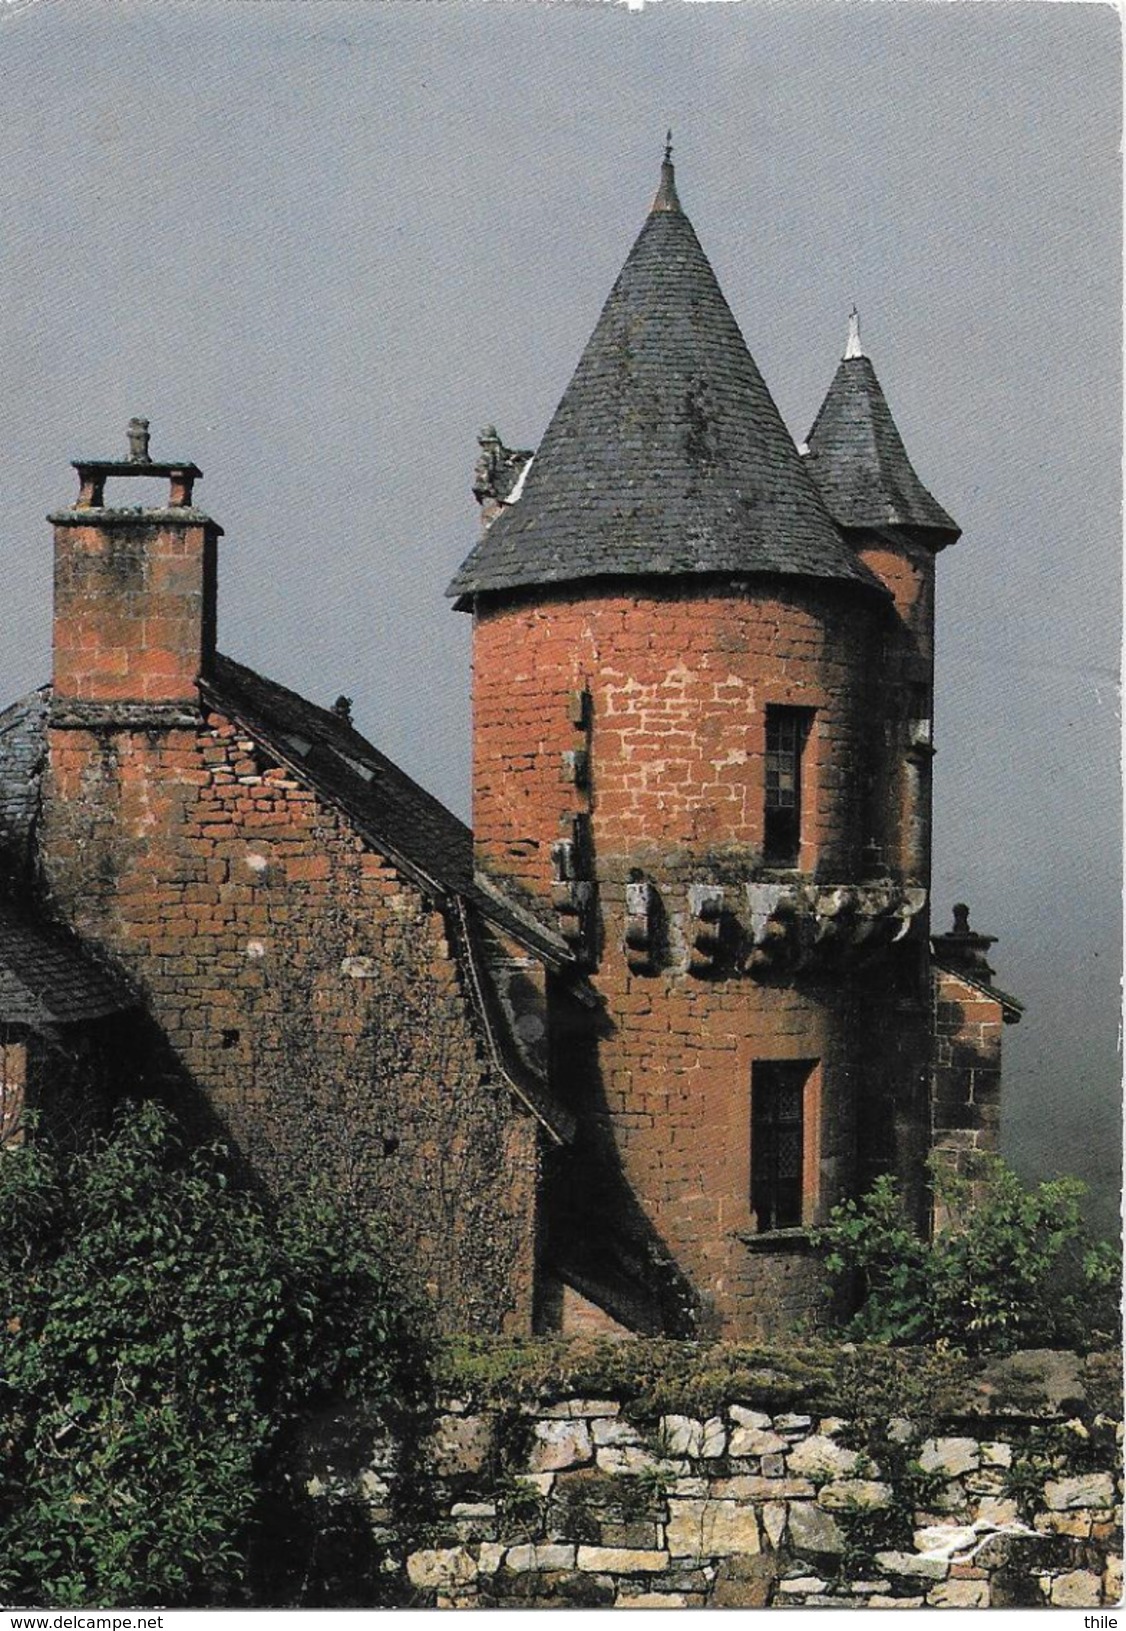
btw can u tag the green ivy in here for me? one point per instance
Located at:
(163, 1331)
(1012, 1269)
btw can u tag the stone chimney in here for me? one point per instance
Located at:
(134, 625)
(963, 949)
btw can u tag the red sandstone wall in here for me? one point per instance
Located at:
(903, 789)
(675, 730)
(679, 686)
(966, 1106)
(134, 608)
(307, 994)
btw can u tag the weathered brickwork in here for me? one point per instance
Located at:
(305, 992)
(679, 682)
(134, 604)
(665, 692)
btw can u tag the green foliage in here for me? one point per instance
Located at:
(1011, 1269)
(163, 1330)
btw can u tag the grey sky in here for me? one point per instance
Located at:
(319, 244)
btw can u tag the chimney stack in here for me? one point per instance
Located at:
(135, 588)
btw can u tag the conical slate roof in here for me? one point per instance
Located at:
(667, 454)
(858, 460)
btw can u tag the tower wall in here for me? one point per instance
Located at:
(677, 683)
(637, 718)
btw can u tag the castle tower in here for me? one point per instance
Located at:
(685, 670)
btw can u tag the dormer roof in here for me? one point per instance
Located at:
(666, 455)
(857, 458)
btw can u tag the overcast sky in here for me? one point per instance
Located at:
(320, 244)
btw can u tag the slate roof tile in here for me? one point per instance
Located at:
(47, 980)
(667, 454)
(858, 460)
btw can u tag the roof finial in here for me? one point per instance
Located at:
(854, 348)
(666, 201)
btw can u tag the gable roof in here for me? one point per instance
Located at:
(857, 459)
(666, 454)
(47, 980)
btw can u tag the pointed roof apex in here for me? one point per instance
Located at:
(853, 347)
(666, 201)
(857, 458)
(666, 456)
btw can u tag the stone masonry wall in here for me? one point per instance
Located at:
(966, 1103)
(1014, 1499)
(632, 725)
(304, 993)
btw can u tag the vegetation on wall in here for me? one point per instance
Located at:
(1013, 1267)
(164, 1331)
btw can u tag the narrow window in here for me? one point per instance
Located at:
(786, 731)
(777, 1135)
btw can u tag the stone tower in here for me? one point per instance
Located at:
(702, 679)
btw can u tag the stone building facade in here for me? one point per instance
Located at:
(607, 1058)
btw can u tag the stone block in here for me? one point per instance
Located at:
(630, 1458)
(754, 1419)
(821, 1457)
(745, 1582)
(653, 1599)
(614, 1431)
(801, 1585)
(749, 1487)
(996, 1454)
(524, 1559)
(855, 1495)
(620, 1560)
(560, 1444)
(911, 1565)
(752, 1441)
(1077, 1589)
(430, 1570)
(812, 1530)
(792, 1424)
(711, 1529)
(489, 1557)
(950, 1456)
(459, 1445)
(1093, 1489)
(715, 1438)
(1112, 1580)
(774, 1522)
(682, 1434)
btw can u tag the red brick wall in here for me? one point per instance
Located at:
(134, 607)
(966, 1103)
(678, 685)
(679, 688)
(307, 994)
(903, 790)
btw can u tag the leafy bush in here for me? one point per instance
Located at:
(1012, 1269)
(163, 1331)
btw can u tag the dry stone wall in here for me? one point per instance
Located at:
(1012, 1500)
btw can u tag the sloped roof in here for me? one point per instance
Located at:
(46, 980)
(857, 459)
(666, 454)
(23, 751)
(398, 816)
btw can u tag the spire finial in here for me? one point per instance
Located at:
(854, 348)
(666, 201)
